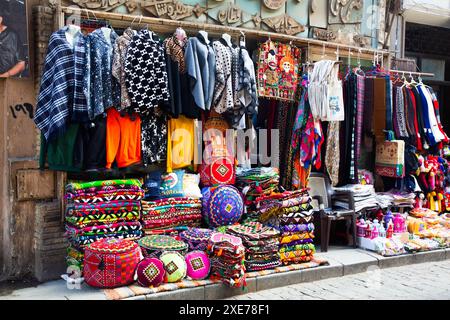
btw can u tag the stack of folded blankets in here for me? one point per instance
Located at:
(291, 214)
(101, 209)
(254, 183)
(170, 214)
(261, 245)
(396, 198)
(196, 238)
(227, 255)
(363, 195)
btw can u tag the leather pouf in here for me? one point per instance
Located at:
(175, 266)
(150, 272)
(111, 263)
(198, 265)
(222, 205)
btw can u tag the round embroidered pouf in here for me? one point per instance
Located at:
(175, 266)
(154, 245)
(196, 238)
(150, 272)
(110, 263)
(222, 205)
(198, 265)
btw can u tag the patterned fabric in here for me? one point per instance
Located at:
(153, 245)
(111, 263)
(332, 153)
(196, 238)
(118, 67)
(154, 138)
(198, 265)
(296, 237)
(113, 228)
(360, 98)
(84, 209)
(223, 99)
(150, 272)
(57, 90)
(219, 170)
(100, 88)
(253, 230)
(175, 266)
(175, 50)
(146, 74)
(297, 228)
(94, 219)
(71, 187)
(278, 73)
(172, 184)
(222, 205)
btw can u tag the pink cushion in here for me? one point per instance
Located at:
(198, 265)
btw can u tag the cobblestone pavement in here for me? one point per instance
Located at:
(429, 281)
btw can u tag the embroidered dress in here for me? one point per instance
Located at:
(118, 67)
(154, 138)
(146, 73)
(101, 89)
(58, 90)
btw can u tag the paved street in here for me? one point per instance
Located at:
(426, 281)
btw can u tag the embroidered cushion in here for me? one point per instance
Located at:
(219, 170)
(196, 238)
(198, 265)
(222, 205)
(175, 266)
(154, 245)
(110, 263)
(150, 272)
(172, 184)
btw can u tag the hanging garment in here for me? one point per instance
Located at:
(63, 153)
(332, 153)
(180, 103)
(146, 73)
(154, 137)
(389, 104)
(379, 109)
(437, 112)
(246, 93)
(360, 100)
(278, 70)
(413, 119)
(118, 68)
(180, 143)
(100, 87)
(420, 118)
(223, 98)
(368, 116)
(200, 65)
(434, 133)
(123, 139)
(94, 143)
(399, 113)
(58, 95)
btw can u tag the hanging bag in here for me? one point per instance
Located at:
(390, 157)
(335, 97)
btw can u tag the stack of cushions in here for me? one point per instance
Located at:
(292, 214)
(254, 183)
(172, 202)
(154, 245)
(227, 259)
(222, 205)
(170, 213)
(196, 238)
(101, 209)
(111, 263)
(261, 245)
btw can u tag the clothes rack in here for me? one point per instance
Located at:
(420, 74)
(164, 25)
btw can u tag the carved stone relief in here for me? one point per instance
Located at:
(341, 10)
(284, 24)
(274, 4)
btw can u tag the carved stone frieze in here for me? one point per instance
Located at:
(284, 24)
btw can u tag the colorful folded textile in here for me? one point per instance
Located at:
(132, 195)
(259, 265)
(119, 227)
(291, 228)
(83, 241)
(97, 219)
(297, 247)
(86, 185)
(196, 238)
(296, 237)
(84, 209)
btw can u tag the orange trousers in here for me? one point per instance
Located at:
(123, 139)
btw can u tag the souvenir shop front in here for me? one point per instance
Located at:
(200, 153)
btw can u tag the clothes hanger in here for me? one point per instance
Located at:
(227, 39)
(242, 39)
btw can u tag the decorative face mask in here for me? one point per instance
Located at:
(286, 64)
(272, 59)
